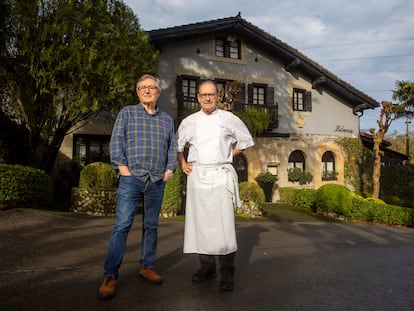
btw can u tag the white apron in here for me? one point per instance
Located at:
(212, 194)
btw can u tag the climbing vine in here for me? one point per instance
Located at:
(358, 165)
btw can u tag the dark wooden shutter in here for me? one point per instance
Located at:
(272, 107)
(178, 87)
(179, 94)
(250, 94)
(308, 101)
(270, 95)
(241, 99)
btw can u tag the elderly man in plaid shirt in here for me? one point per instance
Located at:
(143, 149)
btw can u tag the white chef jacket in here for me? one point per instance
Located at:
(212, 187)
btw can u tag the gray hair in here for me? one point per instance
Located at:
(148, 76)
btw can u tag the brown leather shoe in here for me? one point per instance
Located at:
(108, 287)
(150, 275)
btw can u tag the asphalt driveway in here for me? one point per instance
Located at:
(294, 261)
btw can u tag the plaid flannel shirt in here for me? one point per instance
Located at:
(144, 142)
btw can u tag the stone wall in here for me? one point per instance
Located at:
(103, 203)
(250, 209)
(93, 202)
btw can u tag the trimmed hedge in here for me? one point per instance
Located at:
(338, 202)
(24, 185)
(286, 194)
(377, 211)
(333, 198)
(304, 197)
(98, 175)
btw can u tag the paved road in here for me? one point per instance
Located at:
(293, 262)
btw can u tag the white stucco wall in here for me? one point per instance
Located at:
(329, 116)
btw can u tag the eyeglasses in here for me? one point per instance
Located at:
(205, 95)
(147, 87)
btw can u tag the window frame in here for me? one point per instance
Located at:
(328, 167)
(258, 98)
(305, 102)
(88, 141)
(227, 47)
(295, 154)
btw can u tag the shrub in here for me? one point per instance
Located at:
(98, 175)
(171, 204)
(408, 203)
(23, 184)
(359, 209)
(333, 198)
(286, 194)
(374, 210)
(393, 200)
(304, 197)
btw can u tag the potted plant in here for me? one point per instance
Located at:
(298, 175)
(267, 180)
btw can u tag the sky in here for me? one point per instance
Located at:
(367, 43)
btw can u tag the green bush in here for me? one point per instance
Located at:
(98, 175)
(359, 208)
(24, 185)
(333, 198)
(393, 200)
(304, 197)
(171, 204)
(408, 203)
(251, 192)
(374, 210)
(286, 194)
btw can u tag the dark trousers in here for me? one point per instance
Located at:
(208, 262)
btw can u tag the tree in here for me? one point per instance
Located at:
(65, 62)
(404, 94)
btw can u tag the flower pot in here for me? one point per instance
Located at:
(268, 190)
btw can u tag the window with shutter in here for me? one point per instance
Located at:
(257, 94)
(262, 98)
(301, 100)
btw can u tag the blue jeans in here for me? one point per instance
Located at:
(130, 191)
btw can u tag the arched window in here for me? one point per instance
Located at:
(328, 166)
(240, 164)
(297, 159)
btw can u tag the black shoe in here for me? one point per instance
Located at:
(226, 286)
(227, 281)
(202, 276)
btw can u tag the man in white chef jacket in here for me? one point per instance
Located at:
(214, 137)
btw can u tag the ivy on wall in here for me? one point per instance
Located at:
(358, 165)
